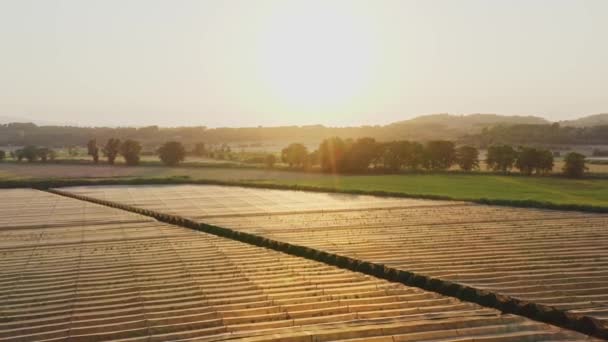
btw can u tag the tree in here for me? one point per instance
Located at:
(313, 158)
(111, 149)
(501, 158)
(199, 150)
(332, 152)
(2, 155)
(30, 153)
(398, 154)
(467, 158)
(544, 164)
(295, 155)
(413, 155)
(45, 154)
(360, 154)
(393, 156)
(440, 155)
(171, 153)
(526, 160)
(531, 160)
(17, 155)
(130, 150)
(378, 159)
(270, 160)
(574, 165)
(93, 150)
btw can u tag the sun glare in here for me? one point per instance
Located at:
(316, 59)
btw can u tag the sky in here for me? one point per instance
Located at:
(282, 62)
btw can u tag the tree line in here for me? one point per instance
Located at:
(338, 155)
(170, 153)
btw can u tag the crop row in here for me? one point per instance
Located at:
(127, 277)
(591, 324)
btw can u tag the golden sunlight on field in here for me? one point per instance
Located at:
(548, 257)
(93, 273)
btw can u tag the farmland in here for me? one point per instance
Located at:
(24, 171)
(583, 192)
(548, 257)
(76, 271)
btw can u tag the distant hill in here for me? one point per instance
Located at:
(450, 126)
(11, 119)
(588, 130)
(587, 121)
(478, 129)
(474, 120)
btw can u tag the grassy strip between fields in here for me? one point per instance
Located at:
(446, 191)
(504, 303)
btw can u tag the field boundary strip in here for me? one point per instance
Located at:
(506, 304)
(45, 184)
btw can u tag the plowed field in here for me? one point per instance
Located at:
(75, 271)
(548, 257)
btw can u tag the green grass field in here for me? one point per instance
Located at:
(470, 187)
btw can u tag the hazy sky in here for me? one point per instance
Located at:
(255, 62)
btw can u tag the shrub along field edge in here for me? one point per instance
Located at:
(507, 304)
(44, 184)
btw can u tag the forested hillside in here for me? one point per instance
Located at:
(554, 134)
(477, 129)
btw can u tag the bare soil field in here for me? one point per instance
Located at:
(75, 271)
(548, 257)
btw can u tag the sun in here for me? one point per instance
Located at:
(315, 57)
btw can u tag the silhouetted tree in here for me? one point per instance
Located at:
(544, 164)
(393, 155)
(360, 154)
(2, 155)
(501, 158)
(130, 150)
(172, 153)
(439, 155)
(467, 158)
(413, 155)
(111, 149)
(30, 153)
(530, 160)
(199, 150)
(270, 160)
(294, 155)
(313, 158)
(526, 160)
(574, 165)
(45, 154)
(17, 155)
(332, 152)
(93, 150)
(378, 158)
(399, 154)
